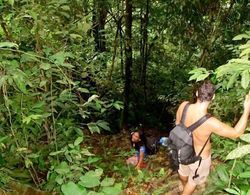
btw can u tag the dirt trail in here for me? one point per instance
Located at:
(20, 189)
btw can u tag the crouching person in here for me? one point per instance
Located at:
(144, 146)
(138, 142)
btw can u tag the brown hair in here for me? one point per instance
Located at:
(206, 91)
(143, 141)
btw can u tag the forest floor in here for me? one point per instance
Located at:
(113, 150)
(156, 179)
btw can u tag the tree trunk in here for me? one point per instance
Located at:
(128, 60)
(145, 51)
(121, 50)
(121, 37)
(98, 20)
(114, 54)
(142, 48)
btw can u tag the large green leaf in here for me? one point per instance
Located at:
(62, 168)
(19, 78)
(78, 141)
(95, 173)
(202, 77)
(89, 182)
(222, 70)
(72, 189)
(83, 90)
(90, 179)
(245, 52)
(193, 77)
(198, 71)
(239, 152)
(93, 128)
(29, 57)
(95, 193)
(245, 46)
(244, 174)
(56, 153)
(241, 36)
(21, 85)
(8, 44)
(108, 182)
(103, 124)
(3, 138)
(31, 117)
(232, 80)
(67, 65)
(199, 74)
(75, 36)
(245, 137)
(91, 98)
(45, 66)
(245, 79)
(98, 172)
(86, 26)
(239, 168)
(60, 57)
(242, 64)
(114, 190)
(11, 2)
(59, 180)
(86, 152)
(232, 191)
(222, 173)
(118, 105)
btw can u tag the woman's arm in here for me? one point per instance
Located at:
(141, 157)
(140, 161)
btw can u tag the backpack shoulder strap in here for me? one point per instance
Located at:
(204, 145)
(198, 123)
(184, 113)
(197, 175)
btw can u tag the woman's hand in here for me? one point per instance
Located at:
(141, 166)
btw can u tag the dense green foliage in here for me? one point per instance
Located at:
(63, 74)
(234, 177)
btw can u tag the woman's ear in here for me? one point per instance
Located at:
(196, 93)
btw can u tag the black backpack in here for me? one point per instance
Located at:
(181, 149)
(152, 145)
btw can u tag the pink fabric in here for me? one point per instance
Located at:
(132, 160)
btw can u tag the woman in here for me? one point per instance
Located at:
(138, 142)
(144, 146)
